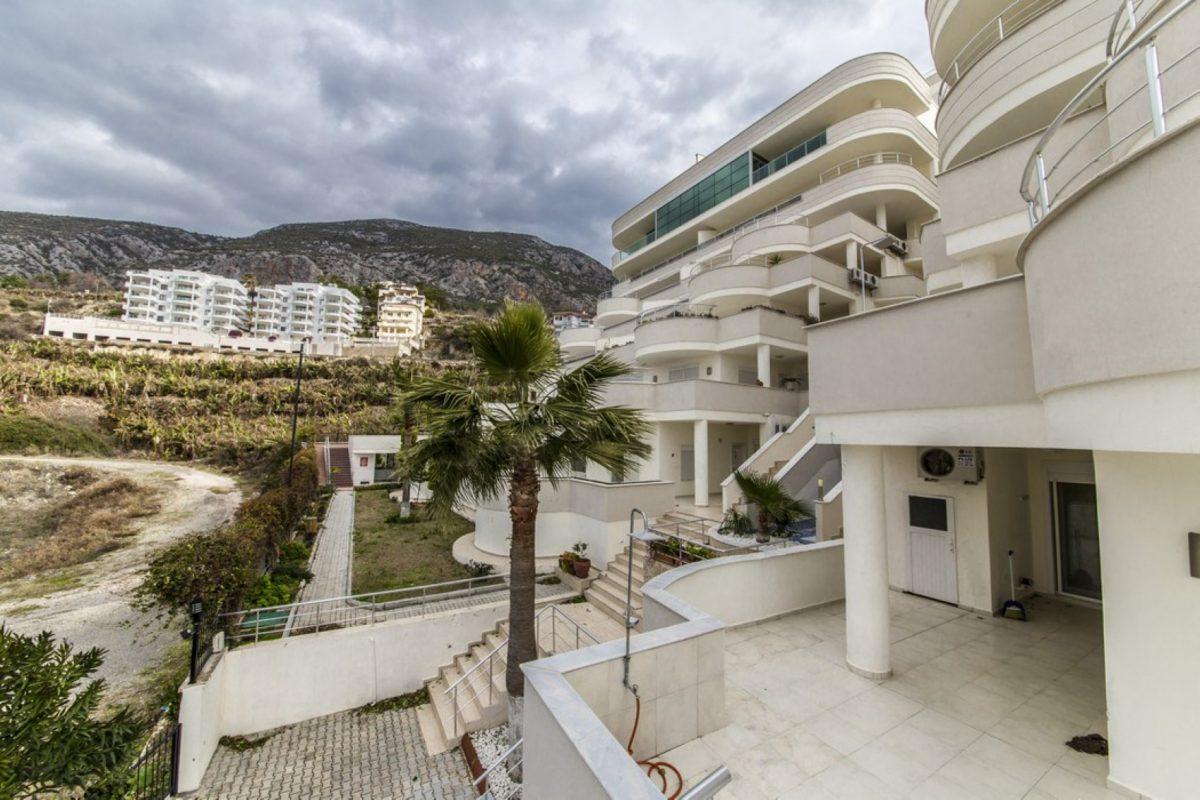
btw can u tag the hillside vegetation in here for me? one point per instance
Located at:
(472, 269)
(231, 411)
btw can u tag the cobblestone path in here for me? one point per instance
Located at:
(344, 756)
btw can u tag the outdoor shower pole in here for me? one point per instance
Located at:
(629, 620)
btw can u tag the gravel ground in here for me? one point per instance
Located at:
(96, 612)
(490, 744)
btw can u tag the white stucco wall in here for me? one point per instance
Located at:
(1147, 504)
(262, 686)
(970, 526)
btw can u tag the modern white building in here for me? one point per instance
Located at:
(561, 320)
(400, 314)
(186, 298)
(811, 213)
(297, 310)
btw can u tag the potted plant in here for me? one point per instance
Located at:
(776, 507)
(581, 564)
(566, 562)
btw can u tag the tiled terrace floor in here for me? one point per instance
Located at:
(978, 707)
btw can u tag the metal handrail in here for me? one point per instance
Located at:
(490, 660)
(300, 616)
(509, 769)
(1040, 201)
(1130, 16)
(1012, 18)
(862, 162)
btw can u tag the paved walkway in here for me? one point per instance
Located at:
(335, 548)
(343, 756)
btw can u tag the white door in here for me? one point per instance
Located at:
(933, 565)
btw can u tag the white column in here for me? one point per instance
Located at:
(881, 216)
(764, 364)
(700, 459)
(814, 302)
(867, 601)
(851, 254)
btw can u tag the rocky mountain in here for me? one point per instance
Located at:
(471, 268)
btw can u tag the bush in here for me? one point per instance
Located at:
(401, 519)
(294, 551)
(478, 569)
(53, 741)
(218, 568)
(271, 590)
(21, 433)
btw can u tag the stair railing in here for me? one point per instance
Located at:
(462, 690)
(501, 765)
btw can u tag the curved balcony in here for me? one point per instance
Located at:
(886, 76)
(705, 397)
(796, 235)
(1019, 84)
(952, 23)
(575, 342)
(740, 285)
(692, 333)
(615, 310)
(898, 289)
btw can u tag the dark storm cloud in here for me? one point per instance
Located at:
(549, 118)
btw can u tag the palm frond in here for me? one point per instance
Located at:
(516, 348)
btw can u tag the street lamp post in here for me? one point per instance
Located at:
(296, 409)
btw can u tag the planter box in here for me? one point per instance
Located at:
(577, 584)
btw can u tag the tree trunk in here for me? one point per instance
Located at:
(522, 645)
(406, 443)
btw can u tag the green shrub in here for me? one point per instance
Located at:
(22, 433)
(271, 590)
(294, 551)
(18, 303)
(217, 568)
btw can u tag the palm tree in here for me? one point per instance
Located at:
(775, 504)
(515, 418)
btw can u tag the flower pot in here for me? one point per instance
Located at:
(581, 567)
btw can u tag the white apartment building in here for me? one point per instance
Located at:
(185, 298)
(561, 320)
(401, 314)
(296, 310)
(720, 274)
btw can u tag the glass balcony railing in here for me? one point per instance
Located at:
(791, 156)
(638, 245)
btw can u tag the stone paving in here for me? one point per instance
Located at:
(331, 559)
(343, 756)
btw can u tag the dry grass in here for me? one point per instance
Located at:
(389, 554)
(95, 517)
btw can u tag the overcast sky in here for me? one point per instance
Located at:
(549, 118)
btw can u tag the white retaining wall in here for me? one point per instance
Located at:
(258, 687)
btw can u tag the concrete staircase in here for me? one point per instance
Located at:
(607, 592)
(339, 466)
(481, 705)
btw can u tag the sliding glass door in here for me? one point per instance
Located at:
(1077, 538)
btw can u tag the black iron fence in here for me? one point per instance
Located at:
(156, 770)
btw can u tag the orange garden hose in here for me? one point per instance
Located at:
(657, 769)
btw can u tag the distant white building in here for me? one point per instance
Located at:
(566, 320)
(401, 314)
(296, 310)
(187, 298)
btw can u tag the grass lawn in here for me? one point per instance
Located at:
(393, 555)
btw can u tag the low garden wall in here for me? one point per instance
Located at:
(579, 715)
(258, 687)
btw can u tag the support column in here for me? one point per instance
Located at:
(881, 217)
(764, 364)
(814, 302)
(700, 461)
(851, 254)
(868, 625)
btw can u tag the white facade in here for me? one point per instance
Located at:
(297, 310)
(186, 298)
(1059, 353)
(113, 331)
(373, 458)
(401, 314)
(561, 320)
(722, 271)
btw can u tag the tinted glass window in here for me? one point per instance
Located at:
(928, 512)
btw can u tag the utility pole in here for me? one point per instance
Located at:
(296, 410)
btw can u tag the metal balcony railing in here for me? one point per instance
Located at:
(1046, 181)
(1016, 15)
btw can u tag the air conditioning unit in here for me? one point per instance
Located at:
(898, 247)
(955, 464)
(859, 277)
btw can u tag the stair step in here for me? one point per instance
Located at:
(613, 609)
(616, 591)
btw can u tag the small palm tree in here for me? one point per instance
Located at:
(775, 504)
(515, 418)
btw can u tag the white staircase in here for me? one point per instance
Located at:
(608, 591)
(772, 457)
(469, 693)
